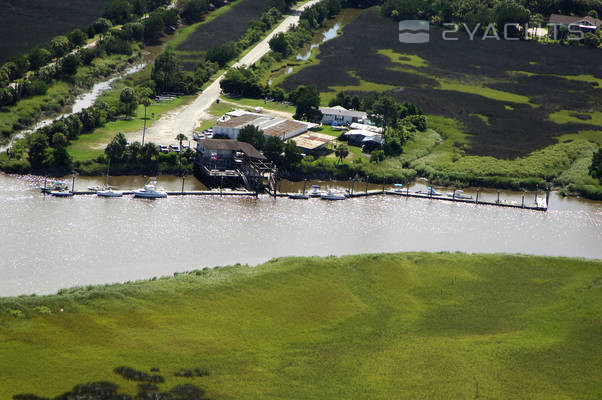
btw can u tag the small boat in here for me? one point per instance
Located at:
(61, 193)
(54, 186)
(398, 187)
(98, 188)
(298, 196)
(315, 191)
(109, 193)
(330, 195)
(430, 191)
(150, 191)
(459, 194)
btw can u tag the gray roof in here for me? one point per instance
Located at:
(234, 145)
(338, 110)
(569, 20)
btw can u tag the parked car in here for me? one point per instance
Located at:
(163, 148)
(174, 147)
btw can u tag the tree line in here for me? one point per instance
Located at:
(483, 13)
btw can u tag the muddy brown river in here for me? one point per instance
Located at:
(51, 243)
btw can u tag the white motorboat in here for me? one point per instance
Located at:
(315, 191)
(150, 191)
(109, 193)
(459, 194)
(330, 195)
(398, 187)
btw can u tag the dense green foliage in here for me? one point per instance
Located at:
(485, 12)
(307, 100)
(356, 327)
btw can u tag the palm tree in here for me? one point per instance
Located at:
(181, 137)
(145, 102)
(342, 151)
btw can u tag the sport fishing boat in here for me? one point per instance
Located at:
(54, 186)
(331, 195)
(459, 194)
(150, 191)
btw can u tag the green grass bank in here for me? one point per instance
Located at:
(408, 325)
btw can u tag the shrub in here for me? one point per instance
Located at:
(139, 376)
(43, 310)
(16, 313)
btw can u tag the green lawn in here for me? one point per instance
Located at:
(87, 146)
(410, 325)
(260, 103)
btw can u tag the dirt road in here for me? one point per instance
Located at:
(184, 119)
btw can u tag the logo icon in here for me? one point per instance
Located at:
(418, 31)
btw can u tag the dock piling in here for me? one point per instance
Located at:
(73, 184)
(476, 200)
(183, 177)
(523, 202)
(498, 197)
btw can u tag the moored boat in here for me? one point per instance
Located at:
(109, 193)
(56, 186)
(398, 187)
(331, 195)
(315, 191)
(459, 194)
(61, 193)
(430, 192)
(150, 191)
(298, 196)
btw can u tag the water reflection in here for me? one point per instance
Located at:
(330, 33)
(51, 243)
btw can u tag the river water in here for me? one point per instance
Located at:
(52, 243)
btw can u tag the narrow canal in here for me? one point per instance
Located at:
(52, 243)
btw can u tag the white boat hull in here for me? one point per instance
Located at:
(109, 193)
(146, 195)
(62, 194)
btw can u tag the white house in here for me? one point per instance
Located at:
(341, 115)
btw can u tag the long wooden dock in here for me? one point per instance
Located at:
(182, 193)
(541, 203)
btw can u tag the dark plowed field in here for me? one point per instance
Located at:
(229, 26)
(511, 131)
(28, 23)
